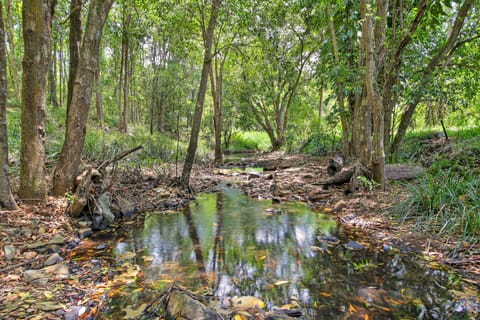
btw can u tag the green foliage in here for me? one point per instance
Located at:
(321, 144)
(249, 141)
(157, 148)
(363, 265)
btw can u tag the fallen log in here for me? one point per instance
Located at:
(403, 172)
(392, 172)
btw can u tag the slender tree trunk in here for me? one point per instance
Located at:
(126, 70)
(37, 35)
(75, 42)
(70, 156)
(197, 117)
(216, 80)
(366, 128)
(13, 62)
(340, 94)
(377, 161)
(6, 199)
(52, 80)
(99, 99)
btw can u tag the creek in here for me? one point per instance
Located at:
(226, 244)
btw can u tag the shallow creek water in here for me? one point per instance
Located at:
(283, 254)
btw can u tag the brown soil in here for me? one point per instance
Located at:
(291, 177)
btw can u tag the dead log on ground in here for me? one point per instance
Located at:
(392, 172)
(403, 172)
(90, 195)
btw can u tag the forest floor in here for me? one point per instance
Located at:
(71, 287)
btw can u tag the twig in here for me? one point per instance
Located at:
(21, 264)
(118, 157)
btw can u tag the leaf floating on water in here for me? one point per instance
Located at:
(129, 276)
(127, 255)
(325, 294)
(148, 259)
(351, 308)
(281, 282)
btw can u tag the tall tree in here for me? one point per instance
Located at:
(373, 51)
(74, 41)
(6, 199)
(70, 156)
(37, 35)
(208, 34)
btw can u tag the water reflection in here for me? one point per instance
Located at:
(230, 243)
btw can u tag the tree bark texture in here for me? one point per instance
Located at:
(70, 156)
(6, 199)
(377, 160)
(197, 117)
(74, 45)
(216, 81)
(37, 37)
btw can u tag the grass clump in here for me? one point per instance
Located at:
(445, 202)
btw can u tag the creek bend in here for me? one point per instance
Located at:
(230, 245)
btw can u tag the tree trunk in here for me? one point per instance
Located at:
(75, 42)
(37, 37)
(216, 81)
(70, 156)
(126, 71)
(377, 160)
(52, 81)
(13, 63)
(340, 94)
(197, 118)
(99, 99)
(6, 199)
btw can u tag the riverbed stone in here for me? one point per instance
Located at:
(104, 203)
(53, 259)
(9, 251)
(353, 245)
(59, 270)
(84, 233)
(36, 276)
(183, 306)
(58, 239)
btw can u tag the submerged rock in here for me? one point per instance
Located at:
(352, 245)
(182, 306)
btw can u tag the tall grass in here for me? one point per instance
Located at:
(445, 203)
